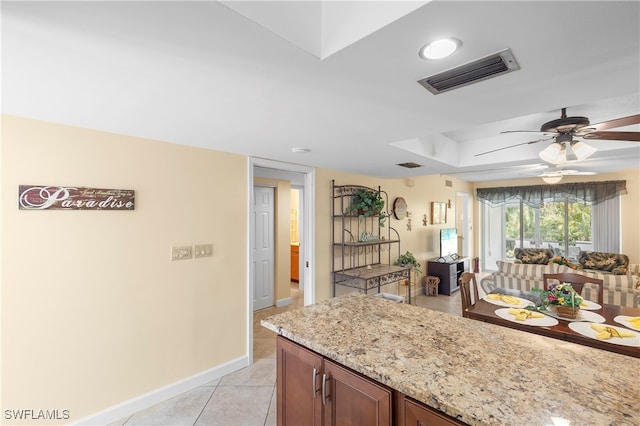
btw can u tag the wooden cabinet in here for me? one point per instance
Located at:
(312, 390)
(413, 413)
(448, 272)
(352, 399)
(295, 262)
(299, 375)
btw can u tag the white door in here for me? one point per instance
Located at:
(262, 267)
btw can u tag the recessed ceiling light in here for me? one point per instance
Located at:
(439, 49)
(300, 150)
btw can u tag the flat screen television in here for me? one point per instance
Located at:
(448, 242)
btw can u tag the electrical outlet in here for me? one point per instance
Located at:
(204, 250)
(181, 252)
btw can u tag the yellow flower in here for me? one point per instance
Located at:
(561, 300)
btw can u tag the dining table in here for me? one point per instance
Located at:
(493, 310)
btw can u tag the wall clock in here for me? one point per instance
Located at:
(399, 208)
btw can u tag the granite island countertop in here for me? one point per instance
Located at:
(479, 373)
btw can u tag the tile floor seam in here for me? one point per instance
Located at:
(266, 416)
(204, 406)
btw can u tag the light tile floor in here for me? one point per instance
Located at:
(248, 396)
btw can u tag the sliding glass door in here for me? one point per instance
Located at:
(563, 226)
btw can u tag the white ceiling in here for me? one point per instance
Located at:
(338, 78)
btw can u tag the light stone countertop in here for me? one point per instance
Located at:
(479, 373)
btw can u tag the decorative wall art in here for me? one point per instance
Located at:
(38, 197)
(400, 208)
(438, 213)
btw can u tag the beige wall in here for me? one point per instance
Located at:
(629, 205)
(93, 311)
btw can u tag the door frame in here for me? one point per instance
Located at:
(307, 249)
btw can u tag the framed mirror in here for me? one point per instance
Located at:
(438, 213)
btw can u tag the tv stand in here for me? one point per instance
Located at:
(448, 270)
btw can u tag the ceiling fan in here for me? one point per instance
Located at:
(563, 131)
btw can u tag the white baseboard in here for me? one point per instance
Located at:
(147, 400)
(283, 302)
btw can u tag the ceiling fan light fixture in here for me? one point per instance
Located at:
(439, 49)
(552, 178)
(582, 150)
(554, 154)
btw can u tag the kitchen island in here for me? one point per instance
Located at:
(477, 373)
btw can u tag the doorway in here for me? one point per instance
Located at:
(463, 224)
(301, 177)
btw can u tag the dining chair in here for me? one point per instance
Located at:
(468, 285)
(577, 281)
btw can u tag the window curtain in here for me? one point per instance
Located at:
(606, 226)
(535, 195)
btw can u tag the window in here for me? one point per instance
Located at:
(562, 226)
(566, 218)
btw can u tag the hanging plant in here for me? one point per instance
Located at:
(367, 203)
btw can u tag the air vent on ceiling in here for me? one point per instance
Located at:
(491, 66)
(409, 165)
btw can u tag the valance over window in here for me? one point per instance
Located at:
(535, 195)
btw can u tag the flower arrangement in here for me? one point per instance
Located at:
(562, 294)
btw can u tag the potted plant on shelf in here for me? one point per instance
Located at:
(367, 203)
(408, 259)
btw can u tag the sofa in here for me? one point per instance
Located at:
(623, 290)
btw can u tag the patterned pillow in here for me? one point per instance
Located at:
(533, 255)
(609, 262)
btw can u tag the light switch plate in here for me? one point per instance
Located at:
(204, 250)
(181, 252)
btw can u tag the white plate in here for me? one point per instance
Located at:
(623, 319)
(582, 316)
(585, 329)
(589, 305)
(545, 321)
(523, 302)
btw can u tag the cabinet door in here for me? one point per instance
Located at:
(298, 385)
(295, 263)
(354, 400)
(416, 414)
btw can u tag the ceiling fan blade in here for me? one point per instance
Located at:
(512, 146)
(614, 136)
(529, 131)
(614, 124)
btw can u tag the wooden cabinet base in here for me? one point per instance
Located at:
(313, 390)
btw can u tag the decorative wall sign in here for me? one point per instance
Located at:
(35, 197)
